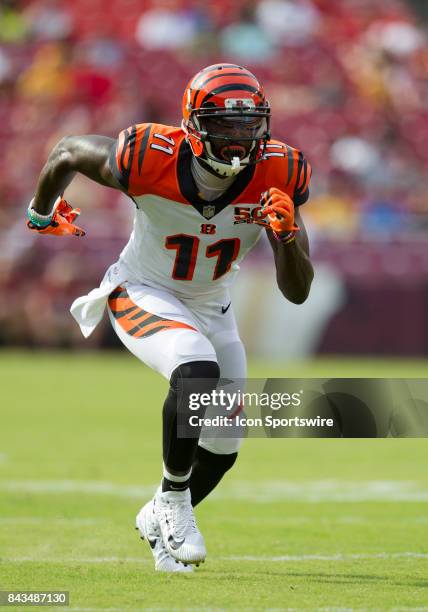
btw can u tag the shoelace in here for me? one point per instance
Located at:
(179, 516)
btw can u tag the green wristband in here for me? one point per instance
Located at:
(37, 219)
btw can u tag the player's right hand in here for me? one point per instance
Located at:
(61, 223)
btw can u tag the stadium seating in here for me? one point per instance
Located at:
(340, 84)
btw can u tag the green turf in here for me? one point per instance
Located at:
(80, 433)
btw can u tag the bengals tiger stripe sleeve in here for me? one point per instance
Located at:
(127, 157)
(303, 177)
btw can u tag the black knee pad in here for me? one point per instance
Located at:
(195, 369)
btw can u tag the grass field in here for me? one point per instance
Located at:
(298, 524)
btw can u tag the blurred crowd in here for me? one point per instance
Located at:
(347, 81)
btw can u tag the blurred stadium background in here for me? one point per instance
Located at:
(347, 80)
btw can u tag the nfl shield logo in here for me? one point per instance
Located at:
(208, 211)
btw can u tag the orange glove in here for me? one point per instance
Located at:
(278, 207)
(61, 222)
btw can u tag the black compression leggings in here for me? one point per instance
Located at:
(192, 377)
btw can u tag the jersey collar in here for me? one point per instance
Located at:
(189, 190)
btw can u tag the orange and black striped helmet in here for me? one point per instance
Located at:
(226, 118)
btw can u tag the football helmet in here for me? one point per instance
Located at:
(226, 118)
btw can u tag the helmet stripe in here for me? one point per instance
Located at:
(202, 90)
(230, 87)
(220, 76)
(213, 69)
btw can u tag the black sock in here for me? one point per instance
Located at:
(208, 469)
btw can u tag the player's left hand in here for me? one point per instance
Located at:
(278, 209)
(62, 222)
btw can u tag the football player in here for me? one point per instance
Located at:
(203, 194)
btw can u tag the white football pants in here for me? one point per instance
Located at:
(164, 332)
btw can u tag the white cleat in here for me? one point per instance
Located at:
(182, 538)
(148, 526)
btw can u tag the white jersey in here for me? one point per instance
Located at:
(171, 247)
(180, 242)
